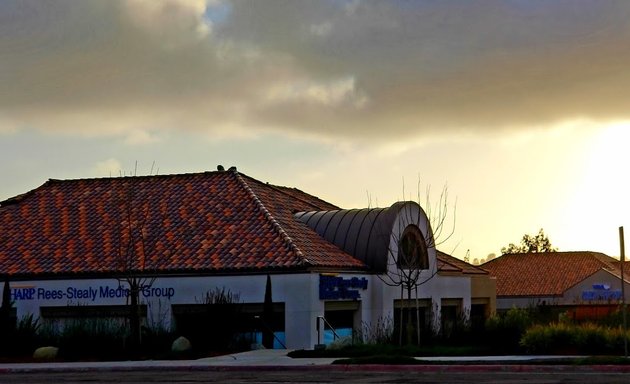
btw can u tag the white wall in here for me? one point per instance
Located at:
(432, 286)
(299, 292)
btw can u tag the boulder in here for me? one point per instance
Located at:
(46, 353)
(181, 345)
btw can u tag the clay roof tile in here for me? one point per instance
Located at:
(212, 221)
(545, 273)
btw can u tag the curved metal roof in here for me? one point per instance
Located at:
(362, 233)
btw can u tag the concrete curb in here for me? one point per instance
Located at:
(277, 360)
(429, 368)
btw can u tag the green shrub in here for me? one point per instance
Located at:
(563, 338)
(97, 338)
(592, 339)
(615, 339)
(615, 319)
(157, 341)
(25, 338)
(504, 331)
(381, 332)
(216, 327)
(87, 338)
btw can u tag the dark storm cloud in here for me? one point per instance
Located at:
(351, 69)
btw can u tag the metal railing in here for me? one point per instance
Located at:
(268, 329)
(326, 323)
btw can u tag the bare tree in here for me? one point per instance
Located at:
(408, 258)
(136, 262)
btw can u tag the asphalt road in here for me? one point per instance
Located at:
(312, 377)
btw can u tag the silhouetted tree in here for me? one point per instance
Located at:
(267, 318)
(6, 297)
(7, 323)
(531, 244)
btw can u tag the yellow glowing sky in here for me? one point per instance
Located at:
(520, 107)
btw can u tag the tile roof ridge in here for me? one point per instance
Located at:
(274, 223)
(23, 196)
(281, 189)
(452, 260)
(445, 262)
(19, 198)
(130, 177)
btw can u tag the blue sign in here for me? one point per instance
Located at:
(338, 288)
(89, 293)
(601, 292)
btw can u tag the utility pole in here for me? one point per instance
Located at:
(623, 292)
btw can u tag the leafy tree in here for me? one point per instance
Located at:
(531, 244)
(477, 261)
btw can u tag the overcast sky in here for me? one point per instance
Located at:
(522, 108)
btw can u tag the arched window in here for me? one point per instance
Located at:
(412, 249)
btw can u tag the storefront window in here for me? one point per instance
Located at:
(223, 326)
(341, 321)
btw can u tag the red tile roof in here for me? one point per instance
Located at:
(545, 273)
(448, 263)
(305, 197)
(626, 266)
(204, 222)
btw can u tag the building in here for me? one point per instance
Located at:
(583, 285)
(69, 249)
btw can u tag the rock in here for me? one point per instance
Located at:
(46, 353)
(181, 345)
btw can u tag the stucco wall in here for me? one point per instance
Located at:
(299, 292)
(601, 284)
(485, 287)
(596, 284)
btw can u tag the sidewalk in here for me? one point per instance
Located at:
(257, 358)
(266, 359)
